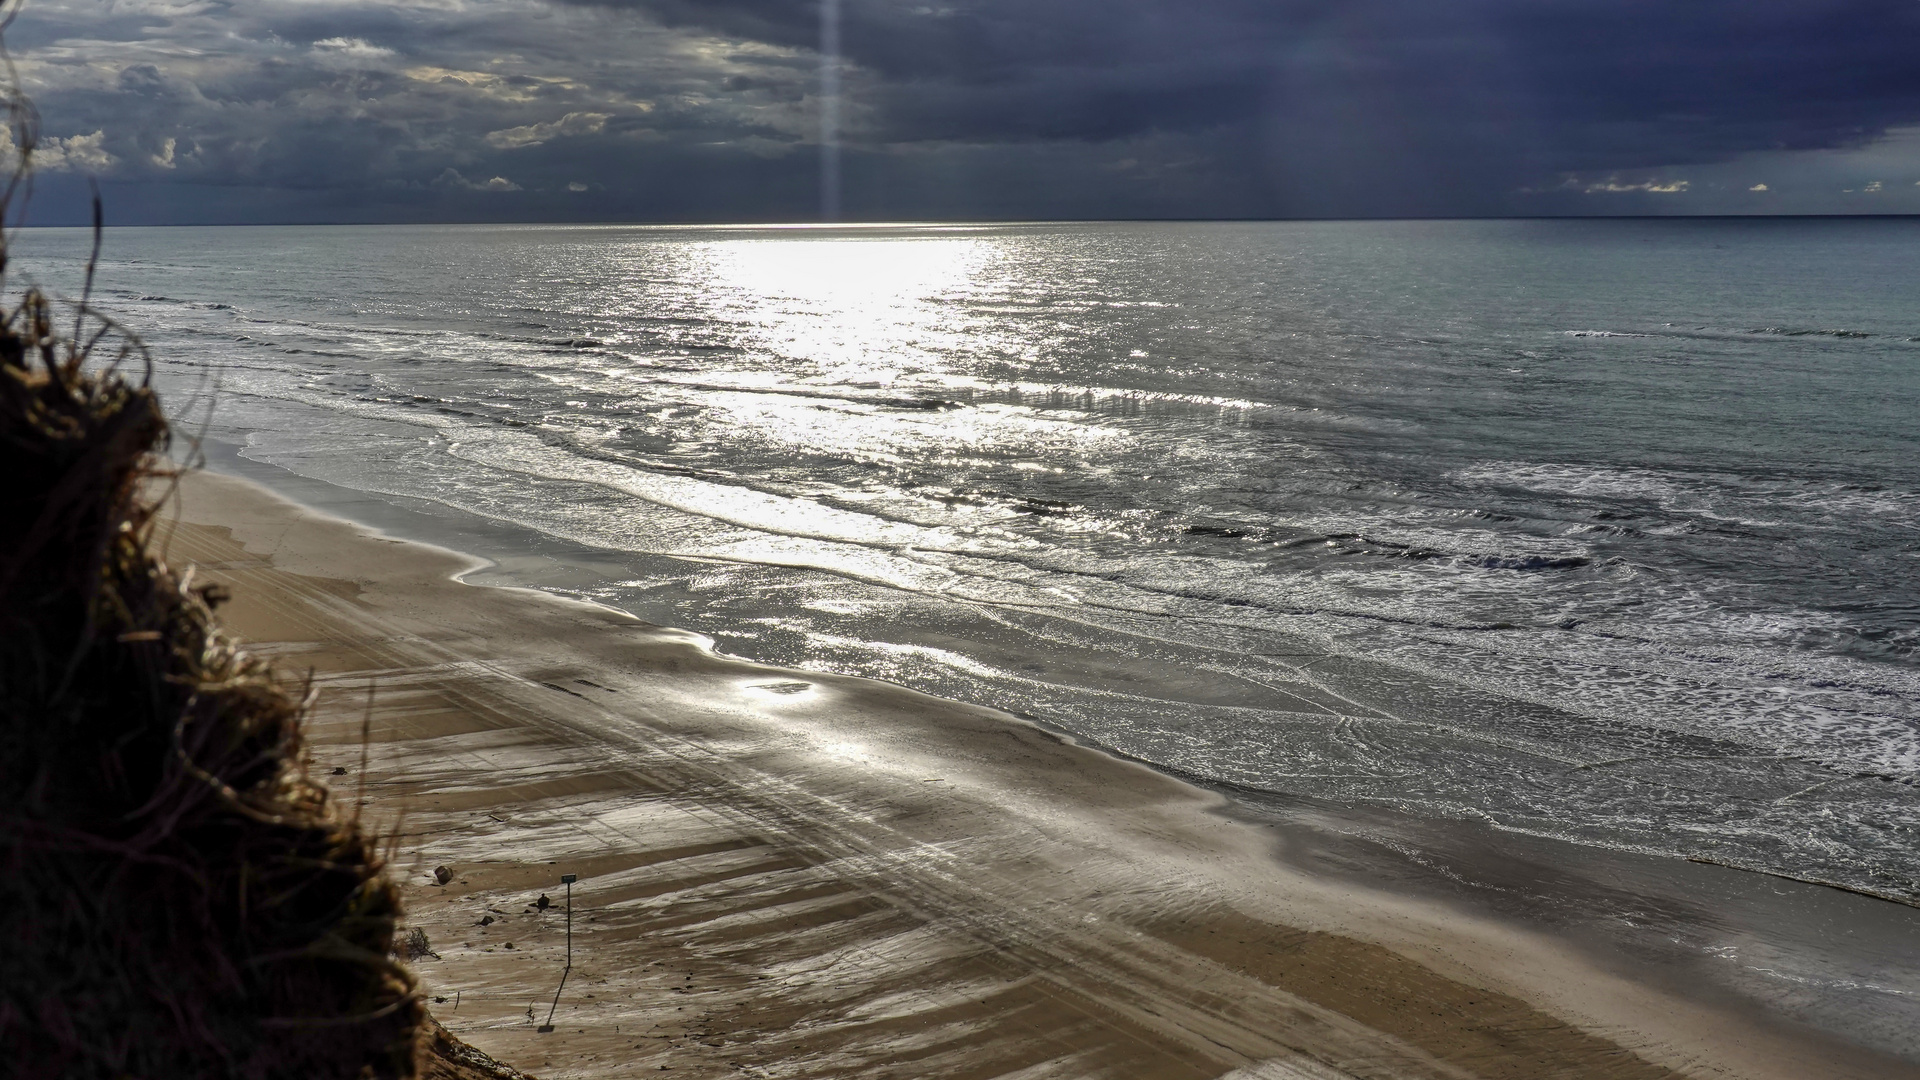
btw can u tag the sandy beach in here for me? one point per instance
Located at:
(788, 874)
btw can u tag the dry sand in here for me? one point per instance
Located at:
(788, 874)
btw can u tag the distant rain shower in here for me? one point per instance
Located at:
(829, 110)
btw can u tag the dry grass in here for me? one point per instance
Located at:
(177, 896)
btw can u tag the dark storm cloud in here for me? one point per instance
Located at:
(707, 108)
(1592, 84)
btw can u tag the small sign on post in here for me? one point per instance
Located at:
(567, 880)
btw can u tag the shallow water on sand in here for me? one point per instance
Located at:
(1604, 531)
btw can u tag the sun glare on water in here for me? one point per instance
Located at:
(858, 309)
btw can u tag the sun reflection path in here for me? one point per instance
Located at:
(852, 308)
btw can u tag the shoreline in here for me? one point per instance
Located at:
(921, 850)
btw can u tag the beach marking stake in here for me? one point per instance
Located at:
(567, 880)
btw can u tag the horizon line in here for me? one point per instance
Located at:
(980, 222)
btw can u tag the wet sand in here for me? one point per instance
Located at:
(789, 874)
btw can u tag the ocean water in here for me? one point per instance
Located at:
(1606, 531)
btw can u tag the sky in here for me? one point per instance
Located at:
(279, 111)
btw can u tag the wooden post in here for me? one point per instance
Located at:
(567, 880)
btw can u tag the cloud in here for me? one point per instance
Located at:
(1758, 187)
(358, 48)
(574, 123)
(1655, 187)
(1580, 75)
(710, 109)
(76, 153)
(1369, 106)
(451, 178)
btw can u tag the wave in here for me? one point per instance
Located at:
(1535, 562)
(1752, 333)
(1788, 331)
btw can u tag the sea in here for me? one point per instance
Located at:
(1606, 531)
